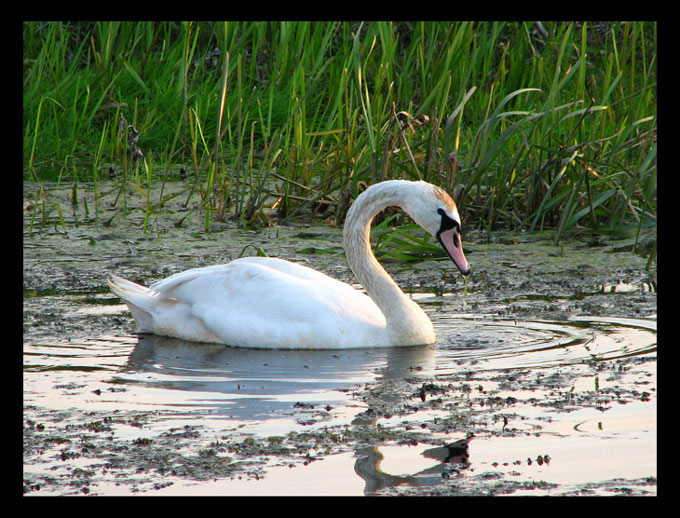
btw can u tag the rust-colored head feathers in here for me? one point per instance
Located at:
(445, 199)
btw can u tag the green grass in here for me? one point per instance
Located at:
(529, 130)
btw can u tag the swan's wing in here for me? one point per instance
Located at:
(274, 305)
(262, 302)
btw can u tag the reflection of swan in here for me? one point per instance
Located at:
(270, 303)
(194, 366)
(369, 459)
(260, 384)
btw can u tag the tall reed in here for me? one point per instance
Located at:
(534, 126)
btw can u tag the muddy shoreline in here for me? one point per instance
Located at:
(96, 449)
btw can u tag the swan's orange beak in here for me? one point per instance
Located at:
(450, 240)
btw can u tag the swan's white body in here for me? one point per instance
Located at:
(264, 302)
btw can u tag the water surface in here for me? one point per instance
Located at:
(273, 393)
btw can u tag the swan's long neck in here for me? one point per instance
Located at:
(405, 319)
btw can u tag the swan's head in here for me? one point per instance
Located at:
(435, 211)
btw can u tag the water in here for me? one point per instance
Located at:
(226, 383)
(273, 393)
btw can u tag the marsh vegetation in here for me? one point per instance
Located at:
(529, 125)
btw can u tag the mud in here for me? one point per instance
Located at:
(108, 412)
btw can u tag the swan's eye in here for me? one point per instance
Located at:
(447, 222)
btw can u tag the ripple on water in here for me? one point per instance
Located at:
(503, 343)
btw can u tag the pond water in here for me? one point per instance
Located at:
(274, 393)
(542, 380)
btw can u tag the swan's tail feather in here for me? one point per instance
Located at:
(134, 295)
(126, 289)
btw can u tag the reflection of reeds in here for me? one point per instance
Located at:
(533, 126)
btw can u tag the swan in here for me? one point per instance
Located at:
(264, 302)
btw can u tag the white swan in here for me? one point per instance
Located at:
(264, 302)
